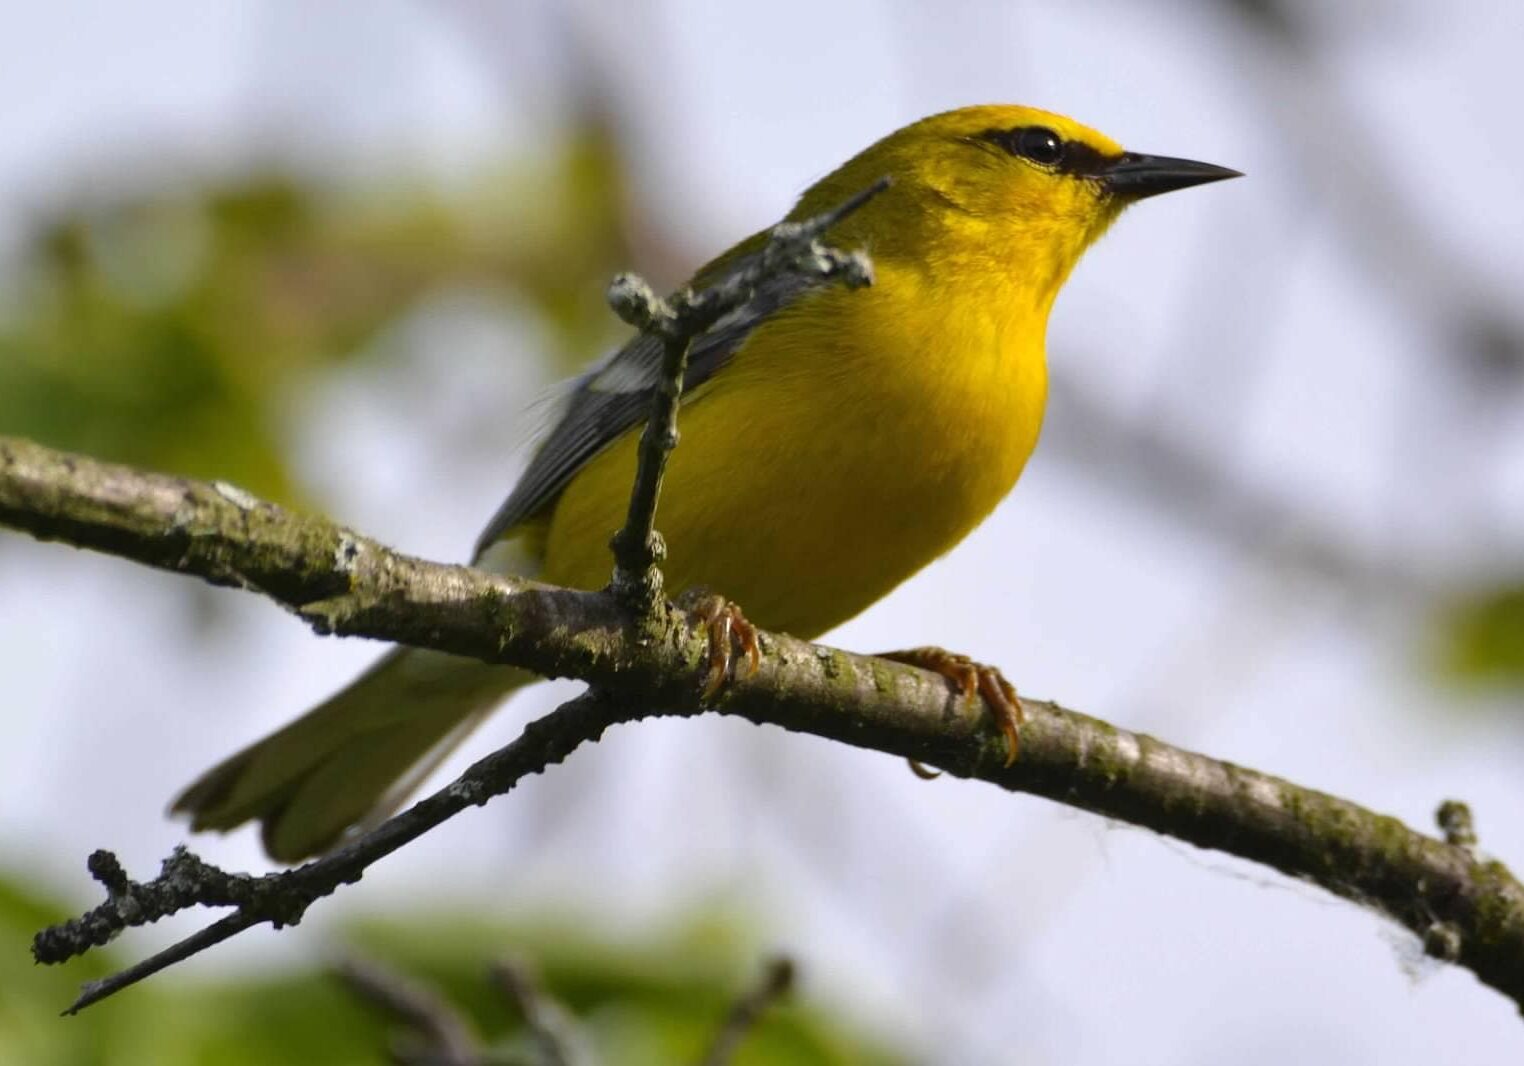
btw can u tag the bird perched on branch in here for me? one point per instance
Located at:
(834, 443)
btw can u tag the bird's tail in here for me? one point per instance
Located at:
(354, 758)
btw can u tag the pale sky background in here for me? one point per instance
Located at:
(1279, 324)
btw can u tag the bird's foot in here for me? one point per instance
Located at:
(971, 679)
(729, 632)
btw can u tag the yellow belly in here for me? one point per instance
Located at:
(836, 455)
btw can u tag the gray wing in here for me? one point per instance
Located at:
(616, 395)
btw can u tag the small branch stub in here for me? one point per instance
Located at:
(1455, 821)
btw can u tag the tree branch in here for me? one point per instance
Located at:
(1463, 909)
(1468, 910)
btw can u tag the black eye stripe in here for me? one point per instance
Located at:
(1078, 159)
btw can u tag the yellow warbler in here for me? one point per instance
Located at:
(834, 442)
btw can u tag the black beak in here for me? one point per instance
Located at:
(1135, 176)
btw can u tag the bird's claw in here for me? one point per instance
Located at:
(972, 678)
(728, 630)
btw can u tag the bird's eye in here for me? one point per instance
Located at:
(1039, 144)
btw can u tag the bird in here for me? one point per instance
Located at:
(834, 442)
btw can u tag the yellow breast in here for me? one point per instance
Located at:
(852, 440)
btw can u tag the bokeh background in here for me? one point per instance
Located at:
(333, 253)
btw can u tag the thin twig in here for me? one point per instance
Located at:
(214, 934)
(550, 1027)
(777, 981)
(283, 898)
(793, 248)
(446, 1038)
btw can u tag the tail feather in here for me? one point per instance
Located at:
(357, 754)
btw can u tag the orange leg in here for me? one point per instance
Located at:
(971, 679)
(728, 630)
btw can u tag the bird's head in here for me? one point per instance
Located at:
(1005, 190)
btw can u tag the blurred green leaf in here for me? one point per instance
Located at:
(1483, 637)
